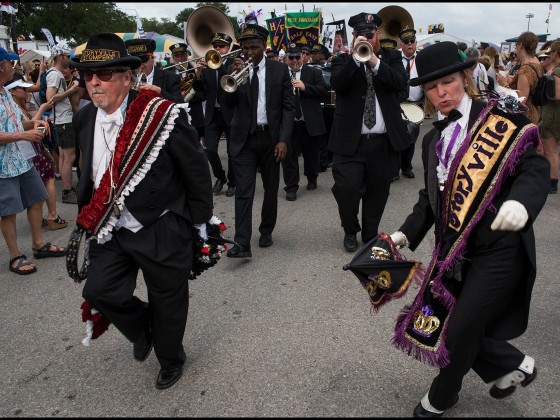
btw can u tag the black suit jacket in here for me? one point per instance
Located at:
(310, 100)
(350, 84)
(209, 87)
(170, 84)
(179, 180)
(528, 185)
(280, 110)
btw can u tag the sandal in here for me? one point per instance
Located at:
(57, 223)
(44, 223)
(22, 262)
(45, 251)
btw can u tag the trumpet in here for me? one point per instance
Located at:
(230, 82)
(362, 52)
(214, 59)
(182, 64)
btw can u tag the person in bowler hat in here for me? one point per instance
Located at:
(368, 133)
(147, 220)
(484, 186)
(263, 118)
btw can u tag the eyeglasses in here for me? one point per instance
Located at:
(145, 58)
(409, 41)
(216, 46)
(104, 75)
(368, 35)
(294, 57)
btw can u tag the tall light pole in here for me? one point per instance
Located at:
(529, 16)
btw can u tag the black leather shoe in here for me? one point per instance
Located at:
(265, 240)
(350, 242)
(323, 168)
(230, 191)
(311, 186)
(408, 173)
(499, 393)
(168, 377)
(219, 186)
(419, 411)
(239, 251)
(291, 196)
(143, 346)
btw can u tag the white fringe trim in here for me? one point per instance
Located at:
(104, 234)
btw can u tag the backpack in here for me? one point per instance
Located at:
(545, 90)
(43, 87)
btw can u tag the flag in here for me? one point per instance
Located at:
(276, 27)
(50, 38)
(139, 28)
(303, 28)
(10, 8)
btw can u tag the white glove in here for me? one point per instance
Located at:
(202, 231)
(399, 239)
(512, 216)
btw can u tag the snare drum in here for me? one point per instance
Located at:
(413, 112)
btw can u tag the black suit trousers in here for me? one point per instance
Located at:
(493, 275)
(164, 253)
(308, 146)
(365, 176)
(212, 134)
(258, 151)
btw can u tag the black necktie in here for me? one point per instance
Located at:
(298, 104)
(454, 115)
(408, 60)
(369, 110)
(254, 99)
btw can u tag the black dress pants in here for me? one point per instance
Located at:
(365, 176)
(308, 146)
(257, 152)
(163, 251)
(212, 134)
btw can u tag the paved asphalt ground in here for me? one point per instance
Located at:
(287, 333)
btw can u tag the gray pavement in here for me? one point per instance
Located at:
(287, 333)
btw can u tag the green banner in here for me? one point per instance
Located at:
(303, 20)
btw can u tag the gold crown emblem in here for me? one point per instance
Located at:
(425, 323)
(135, 49)
(99, 55)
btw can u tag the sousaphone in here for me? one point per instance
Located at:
(394, 20)
(202, 24)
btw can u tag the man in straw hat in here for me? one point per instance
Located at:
(485, 185)
(368, 135)
(263, 118)
(140, 194)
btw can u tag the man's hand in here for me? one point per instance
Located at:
(512, 216)
(372, 62)
(399, 239)
(280, 151)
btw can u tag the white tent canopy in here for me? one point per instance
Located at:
(425, 40)
(31, 55)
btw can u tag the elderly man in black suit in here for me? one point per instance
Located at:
(141, 195)
(217, 116)
(263, 118)
(163, 82)
(368, 131)
(309, 89)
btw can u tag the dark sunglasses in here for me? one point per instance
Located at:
(218, 46)
(368, 35)
(294, 57)
(145, 58)
(409, 41)
(104, 75)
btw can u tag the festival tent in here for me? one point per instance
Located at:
(429, 39)
(163, 42)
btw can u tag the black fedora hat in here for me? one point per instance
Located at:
(105, 50)
(439, 60)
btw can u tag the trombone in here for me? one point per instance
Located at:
(362, 52)
(182, 64)
(230, 82)
(214, 59)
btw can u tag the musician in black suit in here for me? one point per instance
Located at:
(164, 82)
(140, 196)
(368, 131)
(263, 118)
(309, 89)
(217, 116)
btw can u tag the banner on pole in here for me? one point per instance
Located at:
(303, 28)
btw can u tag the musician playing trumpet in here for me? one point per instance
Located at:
(368, 133)
(217, 118)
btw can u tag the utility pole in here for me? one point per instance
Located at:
(529, 16)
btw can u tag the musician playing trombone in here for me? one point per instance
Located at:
(217, 118)
(262, 100)
(368, 132)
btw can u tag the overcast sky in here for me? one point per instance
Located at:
(489, 22)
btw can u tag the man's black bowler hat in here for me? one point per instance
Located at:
(105, 50)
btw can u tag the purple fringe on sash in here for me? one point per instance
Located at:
(440, 358)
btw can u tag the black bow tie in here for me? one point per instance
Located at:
(454, 115)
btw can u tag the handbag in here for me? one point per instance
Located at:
(412, 129)
(50, 141)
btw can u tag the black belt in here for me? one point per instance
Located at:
(372, 136)
(261, 127)
(299, 122)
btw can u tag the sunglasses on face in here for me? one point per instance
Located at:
(145, 58)
(104, 75)
(368, 35)
(294, 57)
(216, 46)
(409, 41)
